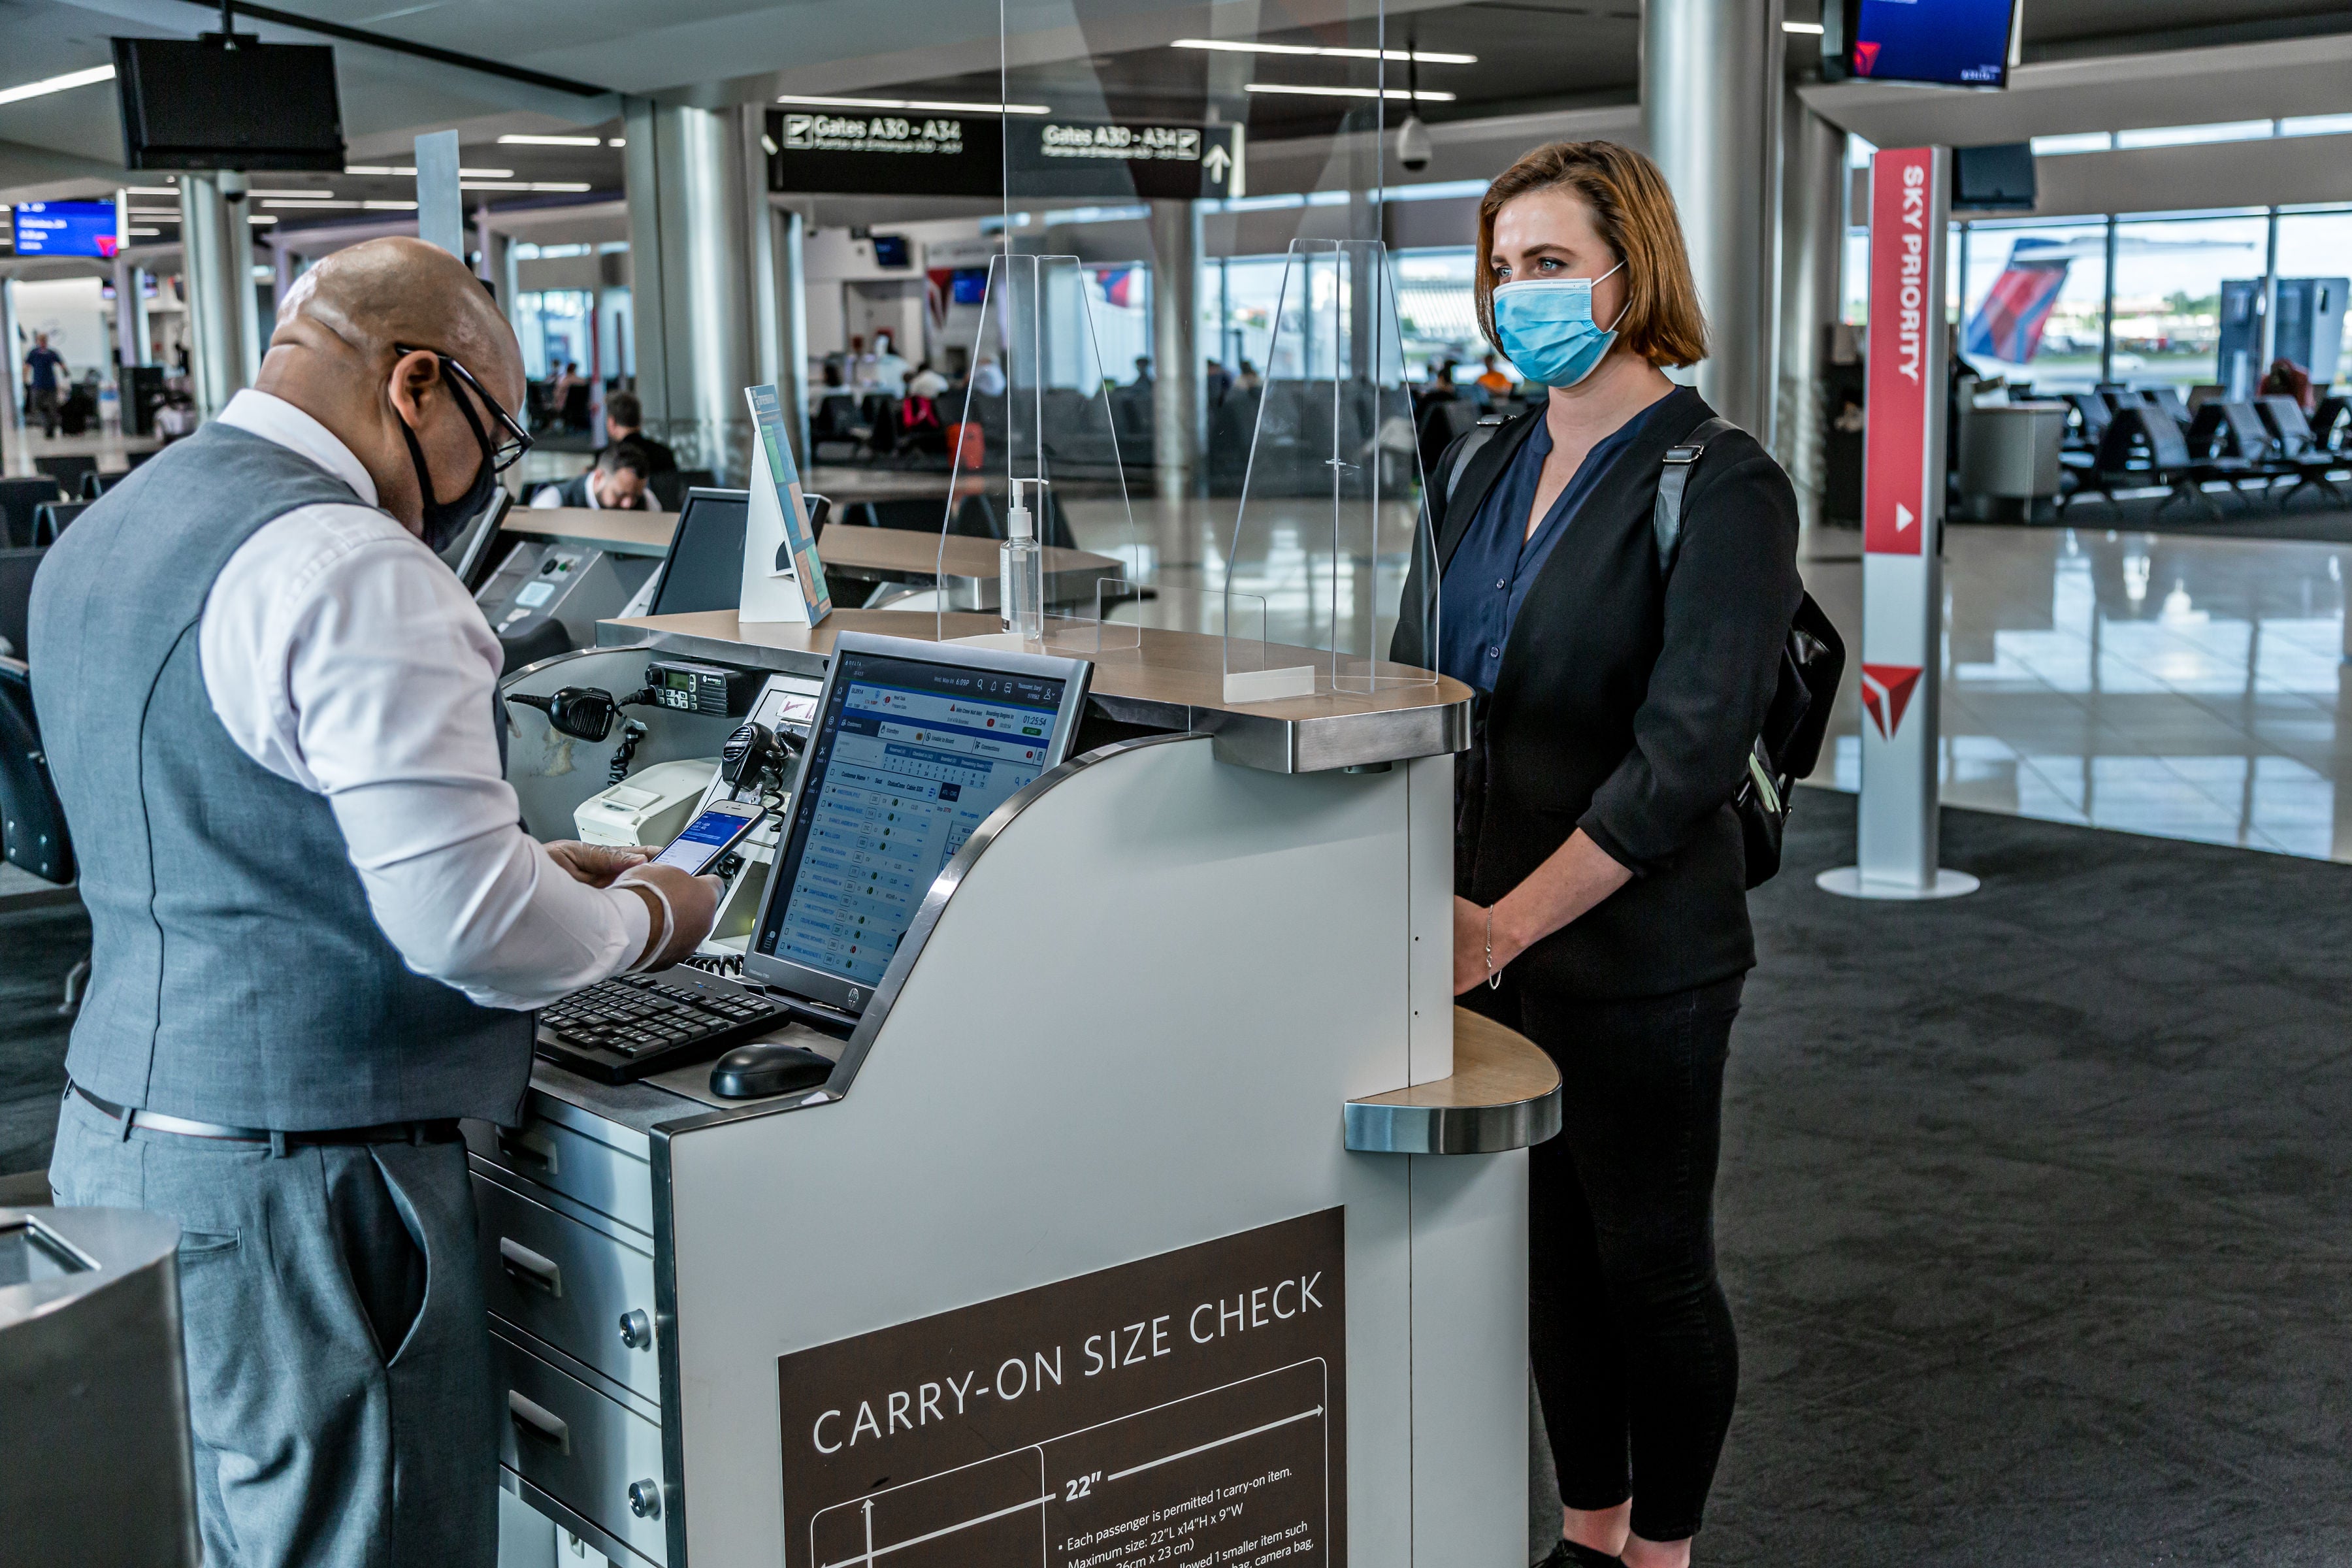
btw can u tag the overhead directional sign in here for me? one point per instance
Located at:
(859, 152)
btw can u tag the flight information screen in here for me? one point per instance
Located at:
(909, 758)
(1964, 43)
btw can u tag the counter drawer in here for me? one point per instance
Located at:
(589, 1294)
(606, 1179)
(587, 1452)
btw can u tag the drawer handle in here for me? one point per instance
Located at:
(525, 1267)
(636, 1328)
(535, 1151)
(539, 1421)
(645, 1499)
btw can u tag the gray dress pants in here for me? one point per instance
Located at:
(338, 1371)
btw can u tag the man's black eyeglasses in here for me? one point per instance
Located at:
(509, 449)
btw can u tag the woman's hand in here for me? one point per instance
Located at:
(1471, 924)
(595, 864)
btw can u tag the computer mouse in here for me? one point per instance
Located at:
(750, 1072)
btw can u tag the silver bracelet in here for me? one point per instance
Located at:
(1494, 975)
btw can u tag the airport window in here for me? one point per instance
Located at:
(2168, 295)
(2187, 135)
(2318, 245)
(2047, 284)
(555, 327)
(1437, 311)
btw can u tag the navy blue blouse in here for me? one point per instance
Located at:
(1497, 561)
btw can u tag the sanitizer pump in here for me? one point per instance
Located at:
(1021, 571)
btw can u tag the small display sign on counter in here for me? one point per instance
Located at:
(1189, 1408)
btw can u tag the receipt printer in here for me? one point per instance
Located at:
(649, 807)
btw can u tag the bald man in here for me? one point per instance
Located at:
(319, 926)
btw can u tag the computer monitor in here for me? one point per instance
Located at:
(913, 746)
(704, 570)
(467, 554)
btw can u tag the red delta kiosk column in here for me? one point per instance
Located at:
(1903, 506)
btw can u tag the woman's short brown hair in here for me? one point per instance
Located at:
(1634, 213)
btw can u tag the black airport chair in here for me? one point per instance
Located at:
(50, 520)
(17, 499)
(95, 484)
(32, 819)
(68, 471)
(2300, 450)
(2328, 424)
(2142, 447)
(16, 569)
(2168, 399)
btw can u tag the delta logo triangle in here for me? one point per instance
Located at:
(1886, 692)
(1865, 58)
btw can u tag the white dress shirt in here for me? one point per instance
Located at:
(340, 654)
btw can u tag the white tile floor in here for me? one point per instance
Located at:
(2182, 687)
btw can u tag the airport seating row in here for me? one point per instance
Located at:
(2130, 440)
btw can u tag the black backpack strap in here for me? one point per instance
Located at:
(1467, 447)
(1666, 516)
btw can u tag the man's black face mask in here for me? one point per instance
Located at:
(444, 520)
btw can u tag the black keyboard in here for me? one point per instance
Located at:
(631, 1024)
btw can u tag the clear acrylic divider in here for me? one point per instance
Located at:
(1036, 469)
(1331, 521)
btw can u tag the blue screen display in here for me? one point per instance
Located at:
(1962, 43)
(66, 229)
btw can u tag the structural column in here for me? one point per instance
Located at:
(693, 254)
(1710, 109)
(216, 263)
(1176, 408)
(14, 458)
(1812, 241)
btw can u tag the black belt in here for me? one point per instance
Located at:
(444, 1131)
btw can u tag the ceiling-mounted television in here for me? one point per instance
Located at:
(1997, 178)
(67, 228)
(216, 102)
(1947, 43)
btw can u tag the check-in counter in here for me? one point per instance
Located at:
(1161, 1207)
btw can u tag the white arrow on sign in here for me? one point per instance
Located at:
(1217, 162)
(1903, 518)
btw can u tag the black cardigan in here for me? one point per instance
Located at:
(1626, 706)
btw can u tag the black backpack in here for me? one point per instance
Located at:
(1813, 659)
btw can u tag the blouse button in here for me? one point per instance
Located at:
(1494, 653)
(1503, 583)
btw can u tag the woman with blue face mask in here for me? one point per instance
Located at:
(1600, 869)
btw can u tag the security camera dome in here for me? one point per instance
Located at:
(1414, 150)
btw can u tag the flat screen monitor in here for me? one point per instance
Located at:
(968, 285)
(704, 570)
(891, 250)
(1956, 43)
(913, 746)
(1999, 178)
(67, 228)
(195, 104)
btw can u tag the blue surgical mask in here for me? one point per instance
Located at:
(1545, 326)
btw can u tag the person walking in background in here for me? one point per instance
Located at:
(1600, 866)
(1493, 382)
(45, 374)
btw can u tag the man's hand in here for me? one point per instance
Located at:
(693, 907)
(596, 864)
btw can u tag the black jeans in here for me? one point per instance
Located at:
(1634, 1355)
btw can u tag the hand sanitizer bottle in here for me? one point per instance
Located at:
(1021, 580)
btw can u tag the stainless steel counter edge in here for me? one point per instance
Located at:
(1377, 1129)
(1243, 737)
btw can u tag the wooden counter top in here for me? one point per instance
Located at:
(1504, 1094)
(1172, 679)
(624, 532)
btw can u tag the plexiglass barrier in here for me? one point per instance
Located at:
(1331, 521)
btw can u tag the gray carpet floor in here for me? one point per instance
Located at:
(2036, 1206)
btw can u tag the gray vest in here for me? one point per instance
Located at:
(236, 975)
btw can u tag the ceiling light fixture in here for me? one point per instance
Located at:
(390, 206)
(524, 185)
(1813, 28)
(406, 172)
(151, 190)
(1395, 92)
(616, 142)
(321, 202)
(1426, 57)
(258, 217)
(920, 105)
(145, 233)
(520, 141)
(90, 77)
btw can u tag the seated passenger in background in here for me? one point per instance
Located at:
(617, 483)
(625, 419)
(2288, 379)
(1493, 382)
(926, 382)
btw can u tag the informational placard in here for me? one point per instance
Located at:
(1902, 511)
(783, 578)
(68, 229)
(886, 153)
(1187, 1408)
(1150, 159)
(858, 152)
